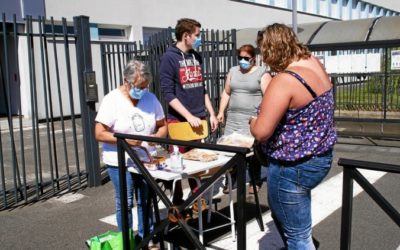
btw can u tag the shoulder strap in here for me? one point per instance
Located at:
(298, 77)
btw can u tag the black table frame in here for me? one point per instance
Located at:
(238, 160)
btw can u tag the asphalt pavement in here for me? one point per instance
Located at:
(66, 221)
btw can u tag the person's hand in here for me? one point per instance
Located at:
(221, 117)
(214, 123)
(194, 121)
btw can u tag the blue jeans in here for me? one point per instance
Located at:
(142, 195)
(289, 197)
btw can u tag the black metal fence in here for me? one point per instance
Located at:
(366, 82)
(218, 51)
(41, 131)
(351, 173)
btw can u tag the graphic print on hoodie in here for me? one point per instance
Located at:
(181, 77)
(190, 73)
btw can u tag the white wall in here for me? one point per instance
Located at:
(212, 14)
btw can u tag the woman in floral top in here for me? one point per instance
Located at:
(295, 124)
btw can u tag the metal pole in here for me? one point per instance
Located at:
(123, 193)
(241, 202)
(88, 104)
(347, 209)
(294, 16)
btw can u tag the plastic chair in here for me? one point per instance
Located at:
(183, 131)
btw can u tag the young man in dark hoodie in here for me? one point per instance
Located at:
(182, 84)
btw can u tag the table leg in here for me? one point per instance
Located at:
(258, 207)
(241, 200)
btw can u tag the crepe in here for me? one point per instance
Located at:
(200, 155)
(237, 140)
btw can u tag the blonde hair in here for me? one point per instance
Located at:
(280, 46)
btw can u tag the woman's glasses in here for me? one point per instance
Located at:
(246, 58)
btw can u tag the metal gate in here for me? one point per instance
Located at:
(45, 109)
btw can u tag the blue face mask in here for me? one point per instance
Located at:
(244, 64)
(197, 43)
(137, 93)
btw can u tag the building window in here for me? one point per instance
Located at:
(111, 32)
(58, 29)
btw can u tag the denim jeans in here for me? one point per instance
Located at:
(289, 197)
(141, 191)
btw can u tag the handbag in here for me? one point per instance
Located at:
(261, 157)
(110, 241)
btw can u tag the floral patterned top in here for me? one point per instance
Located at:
(305, 132)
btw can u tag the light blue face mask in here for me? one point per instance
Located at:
(137, 93)
(244, 64)
(197, 43)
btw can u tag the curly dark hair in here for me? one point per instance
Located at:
(280, 46)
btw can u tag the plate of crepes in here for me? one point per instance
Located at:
(202, 155)
(237, 140)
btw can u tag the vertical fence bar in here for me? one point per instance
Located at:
(21, 131)
(47, 87)
(3, 178)
(114, 69)
(347, 208)
(88, 107)
(107, 51)
(119, 63)
(385, 84)
(7, 92)
(106, 88)
(45, 78)
(32, 80)
(70, 95)
(60, 103)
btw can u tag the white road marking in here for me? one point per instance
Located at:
(69, 197)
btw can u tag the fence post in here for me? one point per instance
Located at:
(88, 98)
(347, 209)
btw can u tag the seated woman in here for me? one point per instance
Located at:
(130, 109)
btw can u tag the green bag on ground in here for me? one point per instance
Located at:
(110, 241)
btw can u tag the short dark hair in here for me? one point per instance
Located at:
(185, 25)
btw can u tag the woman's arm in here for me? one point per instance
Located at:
(226, 95)
(265, 80)
(273, 107)
(103, 134)
(161, 129)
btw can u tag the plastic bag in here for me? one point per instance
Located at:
(110, 241)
